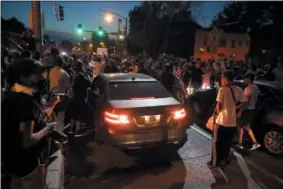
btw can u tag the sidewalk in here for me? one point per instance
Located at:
(55, 170)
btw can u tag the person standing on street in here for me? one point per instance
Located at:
(168, 79)
(251, 92)
(23, 130)
(226, 121)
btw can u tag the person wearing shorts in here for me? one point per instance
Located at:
(251, 92)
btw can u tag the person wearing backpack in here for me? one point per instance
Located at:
(230, 98)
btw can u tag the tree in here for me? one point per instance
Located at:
(154, 25)
(12, 25)
(262, 20)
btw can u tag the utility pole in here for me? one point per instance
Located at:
(37, 25)
(118, 34)
(126, 34)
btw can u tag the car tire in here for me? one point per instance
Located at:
(273, 140)
(180, 144)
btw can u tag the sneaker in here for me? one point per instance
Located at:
(240, 146)
(255, 146)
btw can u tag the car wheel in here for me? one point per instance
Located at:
(273, 141)
(180, 144)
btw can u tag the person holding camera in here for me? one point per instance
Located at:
(22, 128)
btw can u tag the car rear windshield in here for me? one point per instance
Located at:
(137, 90)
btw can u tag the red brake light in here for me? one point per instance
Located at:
(142, 98)
(116, 118)
(179, 114)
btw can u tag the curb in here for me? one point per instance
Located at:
(55, 171)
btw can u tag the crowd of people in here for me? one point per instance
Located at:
(37, 87)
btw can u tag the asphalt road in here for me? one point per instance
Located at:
(166, 168)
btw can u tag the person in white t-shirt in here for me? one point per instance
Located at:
(230, 98)
(251, 92)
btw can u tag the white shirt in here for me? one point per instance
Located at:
(227, 116)
(252, 91)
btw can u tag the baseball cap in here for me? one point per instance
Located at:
(27, 67)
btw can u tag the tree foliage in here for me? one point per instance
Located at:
(12, 25)
(162, 27)
(262, 20)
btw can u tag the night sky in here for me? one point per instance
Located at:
(88, 13)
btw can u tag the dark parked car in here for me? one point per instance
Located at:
(135, 110)
(268, 122)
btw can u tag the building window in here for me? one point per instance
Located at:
(233, 43)
(222, 43)
(208, 49)
(214, 38)
(220, 55)
(240, 43)
(205, 41)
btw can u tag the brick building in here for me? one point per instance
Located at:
(216, 44)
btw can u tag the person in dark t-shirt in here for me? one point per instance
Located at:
(21, 135)
(79, 110)
(196, 77)
(168, 79)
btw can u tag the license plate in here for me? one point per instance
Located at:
(152, 119)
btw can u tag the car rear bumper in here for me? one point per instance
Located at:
(152, 138)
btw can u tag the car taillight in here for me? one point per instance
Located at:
(179, 114)
(116, 118)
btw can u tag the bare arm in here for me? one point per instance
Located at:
(219, 100)
(30, 138)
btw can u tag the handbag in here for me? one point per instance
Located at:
(211, 122)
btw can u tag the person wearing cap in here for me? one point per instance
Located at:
(22, 127)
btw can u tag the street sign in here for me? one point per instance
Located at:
(102, 51)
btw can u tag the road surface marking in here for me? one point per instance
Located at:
(252, 184)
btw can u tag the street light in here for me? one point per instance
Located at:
(110, 14)
(90, 45)
(108, 18)
(84, 38)
(101, 43)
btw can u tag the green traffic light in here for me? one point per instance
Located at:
(101, 33)
(80, 31)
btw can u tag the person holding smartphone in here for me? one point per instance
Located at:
(21, 134)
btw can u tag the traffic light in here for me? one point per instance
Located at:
(61, 13)
(100, 31)
(80, 29)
